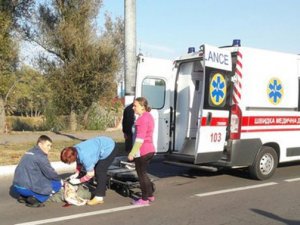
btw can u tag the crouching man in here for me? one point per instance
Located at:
(35, 180)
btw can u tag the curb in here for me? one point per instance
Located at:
(59, 167)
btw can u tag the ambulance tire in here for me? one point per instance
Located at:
(265, 164)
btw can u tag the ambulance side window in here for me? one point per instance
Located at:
(154, 90)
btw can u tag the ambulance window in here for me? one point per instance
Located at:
(197, 66)
(154, 90)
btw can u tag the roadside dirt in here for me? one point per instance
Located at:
(31, 137)
(15, 144)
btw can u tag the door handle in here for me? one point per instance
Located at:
(208, 118)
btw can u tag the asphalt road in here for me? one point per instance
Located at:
(184, 197)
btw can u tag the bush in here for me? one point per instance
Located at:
(19, 123)
(100, 117)
(54, 122)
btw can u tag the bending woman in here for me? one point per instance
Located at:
(95, 155)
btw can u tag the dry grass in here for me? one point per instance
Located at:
(10, 154)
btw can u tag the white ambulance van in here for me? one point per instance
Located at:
(231, 106)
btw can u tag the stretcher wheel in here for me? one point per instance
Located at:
(125, 192)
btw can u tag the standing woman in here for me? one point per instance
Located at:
(143, 149)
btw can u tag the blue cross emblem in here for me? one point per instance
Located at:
(275, 91)
(217, 89)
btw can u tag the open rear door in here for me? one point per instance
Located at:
(201, 106)
(154, 81)
(214, 116)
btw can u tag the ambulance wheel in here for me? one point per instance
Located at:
(265, 164)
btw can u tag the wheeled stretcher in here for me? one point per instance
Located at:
(123, 178)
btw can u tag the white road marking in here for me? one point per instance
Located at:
(235, 189)
(292, 180)
(105, 211)
(80, 215)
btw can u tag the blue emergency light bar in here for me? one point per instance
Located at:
(236, 42)
(191, 49)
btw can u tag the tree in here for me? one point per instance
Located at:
(83, 63)
(11, 14)
(8, 60)
(31, 93)
(115, 31)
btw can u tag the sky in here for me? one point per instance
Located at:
(166, 28)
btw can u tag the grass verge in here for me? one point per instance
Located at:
(10, 154)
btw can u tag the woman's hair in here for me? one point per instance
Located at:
(143, 102)
(68, 155)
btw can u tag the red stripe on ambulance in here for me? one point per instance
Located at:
(238, 76)
(270, 120)
(215, 121)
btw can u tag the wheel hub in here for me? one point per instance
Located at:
(266, 164)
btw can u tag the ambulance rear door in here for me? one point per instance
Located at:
(155, 82)
(214, 113)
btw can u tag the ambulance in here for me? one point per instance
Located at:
(225, 107)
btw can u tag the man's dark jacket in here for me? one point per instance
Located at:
(35, 172)
(128, 120)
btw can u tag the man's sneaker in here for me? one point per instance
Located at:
(140, 202)
(33, 202)
(22, 199)
(151, 199)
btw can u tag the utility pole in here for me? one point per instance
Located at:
(130, 50)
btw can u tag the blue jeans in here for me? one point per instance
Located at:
(56, 186)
